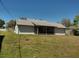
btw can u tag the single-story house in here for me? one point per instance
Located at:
(38, 27)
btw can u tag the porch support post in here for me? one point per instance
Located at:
(37, 30)
(46, 30)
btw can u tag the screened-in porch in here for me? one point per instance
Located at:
(44, 30)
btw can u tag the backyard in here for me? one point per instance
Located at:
(34, 46)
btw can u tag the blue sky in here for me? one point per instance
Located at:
(51, 10)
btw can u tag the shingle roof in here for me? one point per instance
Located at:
(39, 23)
(46, 23)
(24, 22)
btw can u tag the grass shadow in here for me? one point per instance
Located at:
(1, 40)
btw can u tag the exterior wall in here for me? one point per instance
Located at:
(24, 29)
(59, 31)
(30, 30)
(16, 29)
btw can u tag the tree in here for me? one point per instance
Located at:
(76, 21)
(66, 22)
(2, 22)
(23, 18)
(11, 24)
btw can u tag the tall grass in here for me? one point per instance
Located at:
(39, 46)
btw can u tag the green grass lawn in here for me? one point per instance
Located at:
(39, 46)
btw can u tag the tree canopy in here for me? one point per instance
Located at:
(66, 22)
(76, 20)
(2, 22)
(11, 24)
(23, 18)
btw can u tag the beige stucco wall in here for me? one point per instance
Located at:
(24, 29)
(59, 31)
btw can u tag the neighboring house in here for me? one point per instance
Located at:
(38, 27)
(3, 30)
(72, 30)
